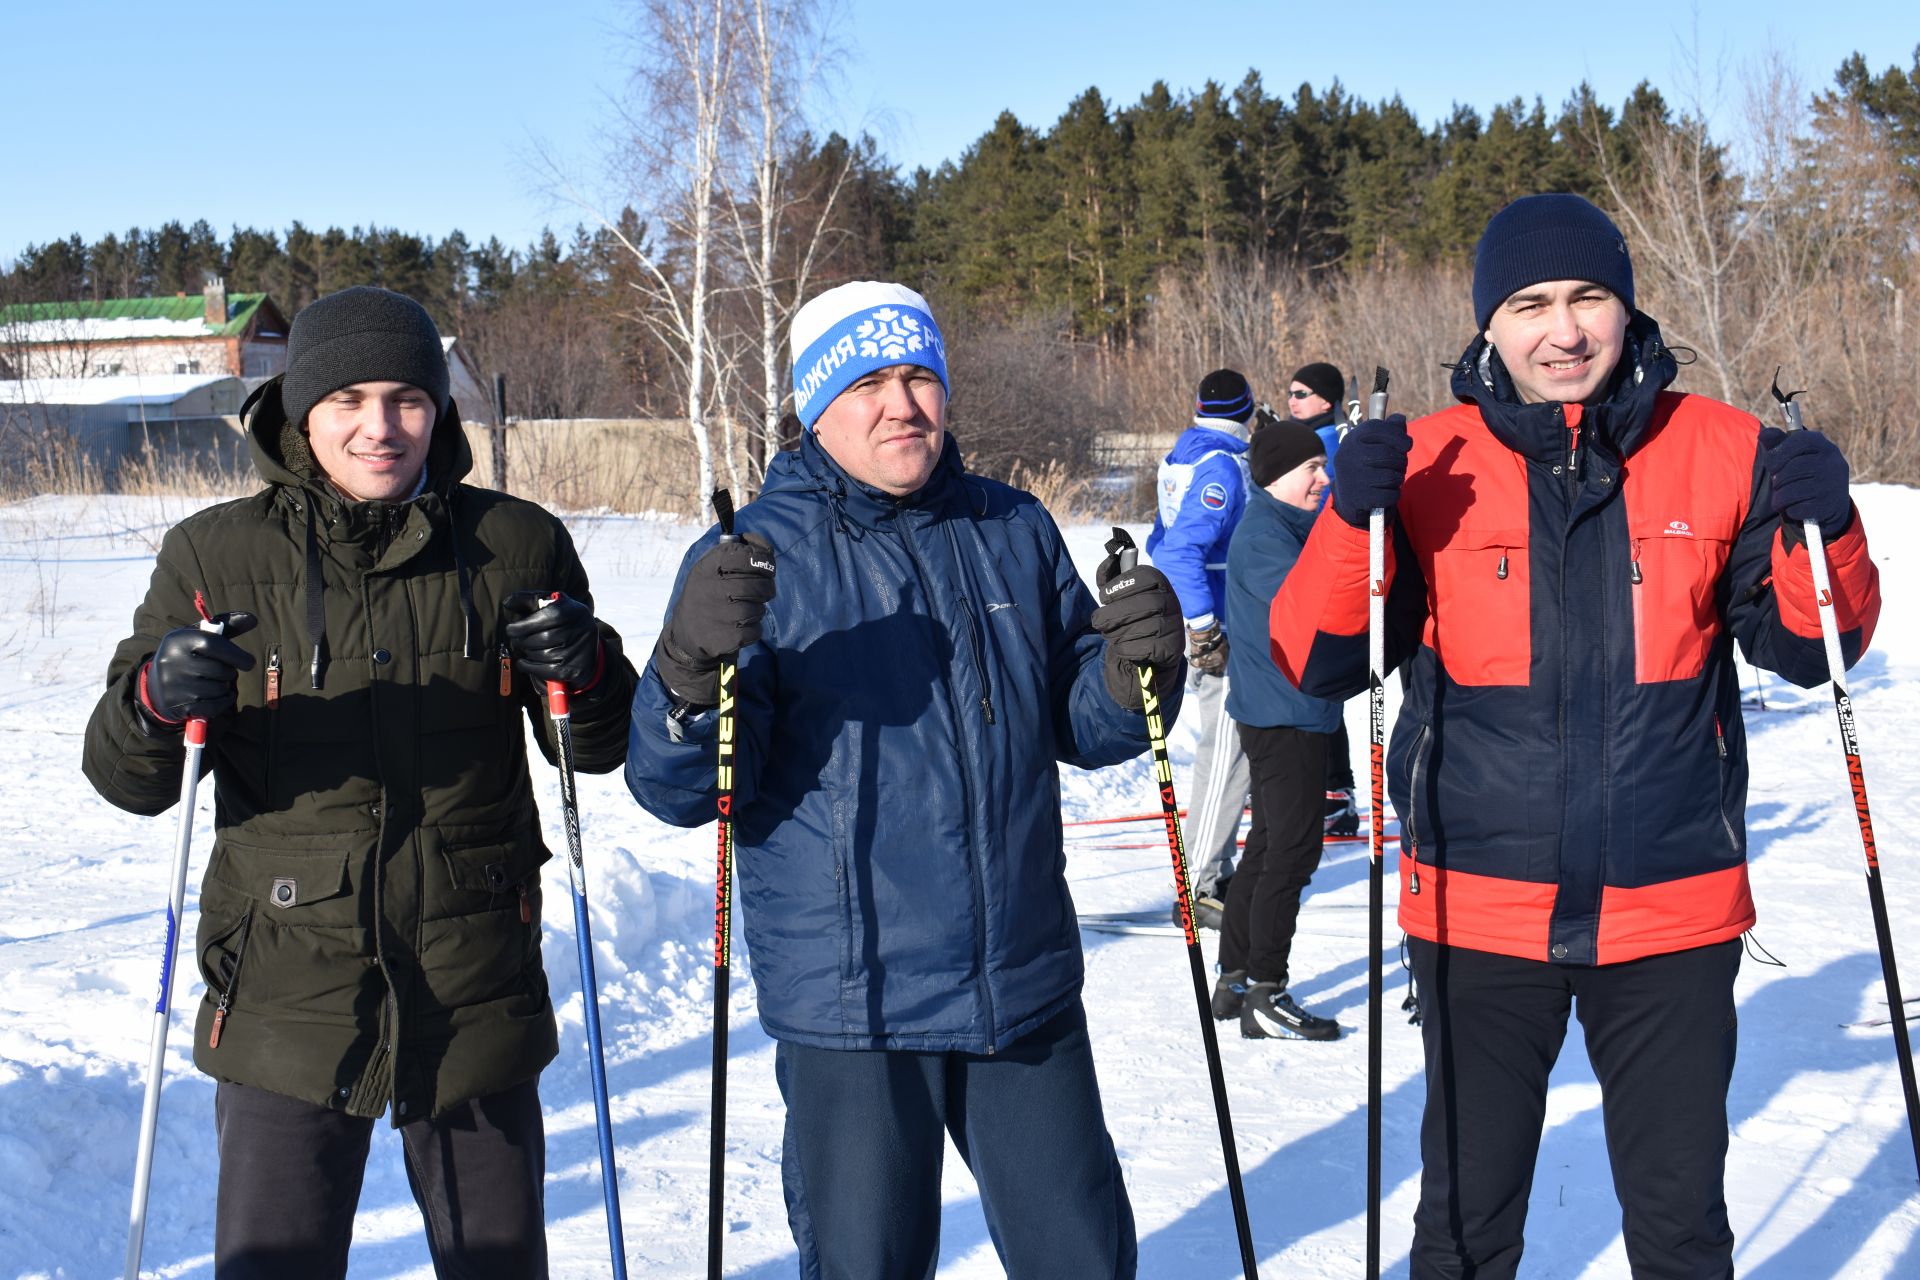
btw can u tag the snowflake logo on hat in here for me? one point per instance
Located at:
(890, 333)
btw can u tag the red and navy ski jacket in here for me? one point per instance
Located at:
(1564, 587)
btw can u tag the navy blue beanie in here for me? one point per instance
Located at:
(1548, 237)
(1224, 394)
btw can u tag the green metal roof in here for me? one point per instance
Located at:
(240, 309)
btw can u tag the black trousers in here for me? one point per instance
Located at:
(1660, 1033)
(866, 1137)
(1283, 850)
(1340, 763)
(290, 1176)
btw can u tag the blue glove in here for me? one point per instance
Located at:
(1373, 466)
(1809, 479)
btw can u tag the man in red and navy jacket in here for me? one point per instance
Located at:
(1574, 552)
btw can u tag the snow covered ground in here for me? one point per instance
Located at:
(1821, 1181)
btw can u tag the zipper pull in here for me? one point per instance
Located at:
(1573, 450)
(273, 678)
(1413, 883)
(986, 704)
(526, 906)
(219, 1021)
(1719, 737)
(506, 671)
(1501, 572)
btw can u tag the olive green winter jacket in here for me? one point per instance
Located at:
(370, 916)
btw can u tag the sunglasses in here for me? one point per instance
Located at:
(1298, 395)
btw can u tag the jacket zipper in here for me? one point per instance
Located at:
(506, 671)
(966, 807)
(1720, 745)
(233, 980)
(273, 678)
(1411, 822)
(979, 659)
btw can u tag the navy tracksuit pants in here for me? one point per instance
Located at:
(866, 1137)
(1660, 1033)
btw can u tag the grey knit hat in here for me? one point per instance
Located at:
(362, 334)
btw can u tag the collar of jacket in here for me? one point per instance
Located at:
(1227, 427)
(1295, 519)
(1325, 418)
(1617, 421)
(862, 505)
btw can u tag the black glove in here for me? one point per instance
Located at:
(192, 675)
(719, 611)
(1373, 466)
(1809, 479)
(1140, 617)
(1207, 649)
(557, 641)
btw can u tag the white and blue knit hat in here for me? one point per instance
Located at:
(848, 332)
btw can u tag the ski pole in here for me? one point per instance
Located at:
(1122, 544)
(722, 931)
(1376, 756)
(195, 735)
(1850, 747)
(562, 713)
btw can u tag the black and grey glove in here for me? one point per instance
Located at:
(553, 640)
(1139, 616)
(719, 612)
(193, 674)
(1207, 649)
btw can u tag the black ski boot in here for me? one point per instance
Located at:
(1271, 1014)
(1229, 993)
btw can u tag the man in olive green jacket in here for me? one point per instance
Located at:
(370, 918)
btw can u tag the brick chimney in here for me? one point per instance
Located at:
(214, 290)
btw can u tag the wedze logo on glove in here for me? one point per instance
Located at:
(1116, 586)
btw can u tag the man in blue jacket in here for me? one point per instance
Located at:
(903, 703)
(1286, 735)
(1201, 493)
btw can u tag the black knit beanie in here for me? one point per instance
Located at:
(1224, 394)
(362, 334)
(1280, 447)
(1323, 380)
(1548, 237)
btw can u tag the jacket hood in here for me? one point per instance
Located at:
(282, 455)
(1618, 419)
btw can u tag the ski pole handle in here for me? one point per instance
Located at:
(557, 704)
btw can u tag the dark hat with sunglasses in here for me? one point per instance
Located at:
(1322, 379)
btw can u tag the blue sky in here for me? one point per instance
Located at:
(422, 114)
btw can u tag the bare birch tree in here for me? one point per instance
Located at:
(785, 49)
(674, 119)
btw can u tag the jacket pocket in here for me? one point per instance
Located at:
(1674, 568)
(491, 876)
(1416, 798)
(1480, 623)
(311, 882)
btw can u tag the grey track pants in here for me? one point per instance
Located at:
(1216, 791)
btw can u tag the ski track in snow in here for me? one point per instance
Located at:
(1820, 1175)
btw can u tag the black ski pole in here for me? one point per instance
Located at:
(1122, 544)
(1376, 876)
(1857, 779)
(561, 712)
(722, 934)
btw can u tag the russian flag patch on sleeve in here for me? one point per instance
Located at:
(1214, 496)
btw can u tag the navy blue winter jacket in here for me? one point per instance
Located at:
(1265, 545)
(924, 665)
